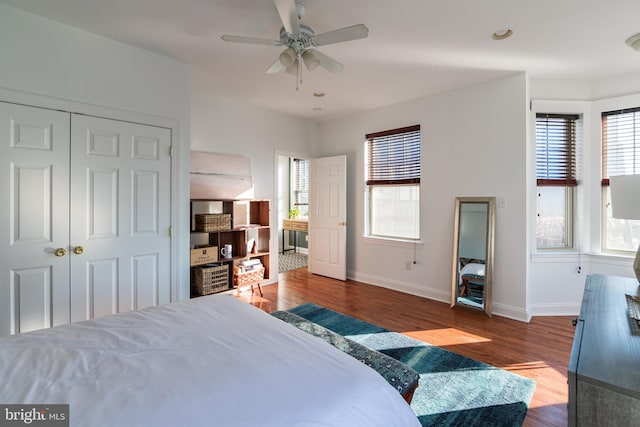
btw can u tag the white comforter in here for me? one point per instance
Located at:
(211, 361)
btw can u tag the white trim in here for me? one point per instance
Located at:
(555, 309)
(408, 288)
(557, 257)
(620, 260)
(275, 231)
(179, 290)
(501, 310)
(388, 241)
(559, 106)
(613, 259)
(514, 313)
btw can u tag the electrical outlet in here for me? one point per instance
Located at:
(407, 265)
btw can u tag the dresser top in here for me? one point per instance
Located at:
(609, 351)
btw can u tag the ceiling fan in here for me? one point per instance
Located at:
(300, 41)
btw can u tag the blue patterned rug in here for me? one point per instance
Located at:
(454, 390)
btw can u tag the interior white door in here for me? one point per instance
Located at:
(34, 217)
(327, 216)
(120, 184)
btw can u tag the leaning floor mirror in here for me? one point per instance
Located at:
(473, 239)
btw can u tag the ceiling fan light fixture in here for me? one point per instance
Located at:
(310, 60)
(292, 68)
(502, 34)
(634, 42)
(288, 57)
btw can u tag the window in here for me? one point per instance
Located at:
(393, 183)
(620, 156)
(556, 179)
(300, 179)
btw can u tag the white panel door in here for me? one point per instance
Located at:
(34, 217)
(327, 217)
(120, 215)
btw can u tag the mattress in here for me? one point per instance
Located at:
(213, 361)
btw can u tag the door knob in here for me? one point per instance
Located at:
(78, 250)
(342, 224)
(60, 252)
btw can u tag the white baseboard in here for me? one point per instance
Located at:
(408, 288)
(510, 312)
(436, 295)
(554, 309)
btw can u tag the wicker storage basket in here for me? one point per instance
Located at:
(203, 255)
(213, 222)
(207, 280)
(248, 277)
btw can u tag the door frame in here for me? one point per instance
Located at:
(179, 166)
(276, 216)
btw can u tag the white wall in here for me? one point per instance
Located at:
(221, 125)
(474, 144)
(47, 58)
(52, 65)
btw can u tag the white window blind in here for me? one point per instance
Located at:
(301, 189)
(620, 143)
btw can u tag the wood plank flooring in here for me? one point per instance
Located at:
(538, 350)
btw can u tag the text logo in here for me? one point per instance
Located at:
(34, 415)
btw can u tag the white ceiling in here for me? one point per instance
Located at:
(415, 48)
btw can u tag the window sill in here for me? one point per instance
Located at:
(573, 256)
(385, 241)
(613, 258)
(556, 256)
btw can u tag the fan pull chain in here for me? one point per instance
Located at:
(299, 76)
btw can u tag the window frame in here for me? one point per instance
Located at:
(552, 172)
(616, 169)
(395, 168)
(296, 191)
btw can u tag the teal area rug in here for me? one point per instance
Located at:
(454, 390)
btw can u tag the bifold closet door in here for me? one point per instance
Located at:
(84, 217)
(34, 218)
(120, 216)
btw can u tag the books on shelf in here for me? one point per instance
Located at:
(247, 226)
(249, 265)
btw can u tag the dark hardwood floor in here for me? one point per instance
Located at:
(538, 350)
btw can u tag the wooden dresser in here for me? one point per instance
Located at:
(604, 369)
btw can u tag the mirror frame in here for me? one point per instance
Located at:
(491, 220)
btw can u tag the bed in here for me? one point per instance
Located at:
(209, 361)
(471, 278)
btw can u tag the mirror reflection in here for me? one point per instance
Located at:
(473, 252)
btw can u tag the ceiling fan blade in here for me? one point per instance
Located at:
(353, 32)
(251, 40)
(326, 62)
(276, 67)
(288, 15)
